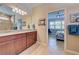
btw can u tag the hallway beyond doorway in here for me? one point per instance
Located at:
(56, 47)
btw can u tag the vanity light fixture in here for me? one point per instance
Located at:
(19, 11)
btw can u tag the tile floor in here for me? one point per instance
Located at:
(54, 48)
(36, 49)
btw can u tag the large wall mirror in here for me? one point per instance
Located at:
(5, 18)
(5, 22)
(10, 20)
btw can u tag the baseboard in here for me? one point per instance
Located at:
(72, 52)
(44, 44)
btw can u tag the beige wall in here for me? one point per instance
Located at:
(71, 42)
(27, 18)
(38, 13)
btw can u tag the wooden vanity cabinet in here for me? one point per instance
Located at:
(34, 36)
(14, 44)
(20, 43)
(31, 38)
(7, 48)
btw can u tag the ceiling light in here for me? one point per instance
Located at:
(17, 10)
(20, 11)
(13, 10)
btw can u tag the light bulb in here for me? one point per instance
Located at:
(16, 9)
(20, 11)
(13, 10)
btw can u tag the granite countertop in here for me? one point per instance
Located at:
(12, 32)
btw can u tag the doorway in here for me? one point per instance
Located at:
(56, 32)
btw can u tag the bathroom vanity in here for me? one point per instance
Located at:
(14, 42)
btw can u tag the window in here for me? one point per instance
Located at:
(57, 24)
(52, 25)
(63, 22)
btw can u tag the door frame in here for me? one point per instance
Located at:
(64, 9)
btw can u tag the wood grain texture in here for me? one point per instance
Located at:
(31, 38)
(14, 44)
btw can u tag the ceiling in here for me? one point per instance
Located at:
(24, 6)
(28, 6)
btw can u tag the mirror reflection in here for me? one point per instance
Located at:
(10, 20)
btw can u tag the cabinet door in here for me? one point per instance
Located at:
(31, 38)
(20, 43)
(18, 46)
(24, 43)
(7, 48)
(34, 37)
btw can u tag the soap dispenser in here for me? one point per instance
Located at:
(33, 26)
(28, 26)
